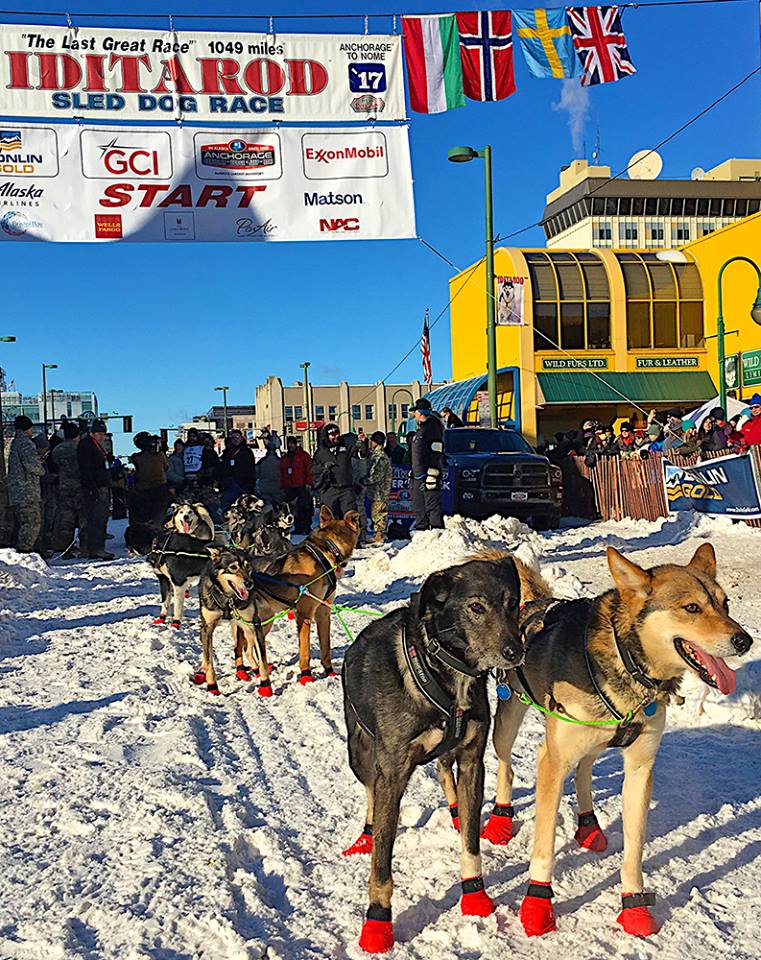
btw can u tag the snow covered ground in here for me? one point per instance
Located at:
(142, 818)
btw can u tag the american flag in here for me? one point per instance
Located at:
(600, 43)
(425, 351)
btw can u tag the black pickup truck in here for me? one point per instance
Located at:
(496, 471)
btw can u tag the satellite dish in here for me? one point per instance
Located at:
(698, 174)
(645, 165)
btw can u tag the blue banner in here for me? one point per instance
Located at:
(727, 487)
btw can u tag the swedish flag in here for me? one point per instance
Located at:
(547, 43)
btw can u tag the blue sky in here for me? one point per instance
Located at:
(153, 328)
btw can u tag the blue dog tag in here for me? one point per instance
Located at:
(650, 709)
(503, 691)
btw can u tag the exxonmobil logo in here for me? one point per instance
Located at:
(338, 156)
(339, 225)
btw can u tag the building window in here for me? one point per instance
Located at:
(392, 414)
(705, 228)
(664, 303)
(356, 411)
(332, 411)
(298, 412)
(369, 411)
(654, 232)
(405, 411)
(319, 411)
(628, 231)
(681, 233)
(571, 301)
(289, 413)
(603, 233)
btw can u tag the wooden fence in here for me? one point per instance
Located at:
(630, 488)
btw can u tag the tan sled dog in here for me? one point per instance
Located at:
(612, 663)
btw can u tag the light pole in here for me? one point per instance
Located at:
(224, 401)
(307, 404)
(52, 405)
(463, 155)
(755, 314)
(45, 368)
(393, 404)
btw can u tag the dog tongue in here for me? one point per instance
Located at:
(724, 675)
(186, 525)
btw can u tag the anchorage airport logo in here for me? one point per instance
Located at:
(238, 155)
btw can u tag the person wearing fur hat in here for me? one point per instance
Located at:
(379, 485)
(24, 493)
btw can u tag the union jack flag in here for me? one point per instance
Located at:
(425, 350)
(600, 43)
(486, 52)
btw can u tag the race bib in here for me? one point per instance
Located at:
(192, 458)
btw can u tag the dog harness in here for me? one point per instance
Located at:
(574, 616)
(161, 551)
(454, 718)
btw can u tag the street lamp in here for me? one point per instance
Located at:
(52, 404)
(224, 401)
(464, 155)
(393, 404)
(45, 368)
(307, 404)
(755, 314)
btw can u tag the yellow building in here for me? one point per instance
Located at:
(607, 334)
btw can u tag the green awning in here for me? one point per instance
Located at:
(676, 387)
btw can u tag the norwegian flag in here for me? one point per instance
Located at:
(600, 43)
(486, 52)
(425, 350)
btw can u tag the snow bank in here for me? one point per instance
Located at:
(21, 569)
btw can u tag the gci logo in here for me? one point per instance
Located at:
(129, 161)
(339, 225)
(126, 155)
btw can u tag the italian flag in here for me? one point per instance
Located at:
(434, 69)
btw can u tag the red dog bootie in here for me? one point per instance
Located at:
(306, 677)
(377, 931)
(475, 901)
(589, 833)
(214, 689)
(242, 674)
(536, 912)
(198, 678)
(454, 813)
(264, 689)
(159, 621)
(363, 844)
(635, 917)
(499, 828)
(175, 624)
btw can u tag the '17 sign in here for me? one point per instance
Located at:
(367, 77)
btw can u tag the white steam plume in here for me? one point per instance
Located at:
(575, 99)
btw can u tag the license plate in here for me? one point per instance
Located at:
(519, 495)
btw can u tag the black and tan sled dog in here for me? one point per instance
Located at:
(414, 691)
(610, 664)
(303, 580)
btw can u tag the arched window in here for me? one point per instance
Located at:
(664, 302)
(571, 301)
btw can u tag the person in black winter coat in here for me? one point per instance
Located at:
(332, 469)
(238, 469)
(96, 485)
(450, 418)
(427, 456)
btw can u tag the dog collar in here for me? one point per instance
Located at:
(631, 666)
(434, 649)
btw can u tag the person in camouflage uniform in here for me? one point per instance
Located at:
(24, 494)
(71, 514)
(379, 485)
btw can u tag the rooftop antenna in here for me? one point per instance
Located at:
(596, 151)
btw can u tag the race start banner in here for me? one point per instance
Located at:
(75, 183)
(726, 487)
(100, 74)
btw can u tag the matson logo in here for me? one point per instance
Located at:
(339, 226)
(331, 199)
(337, 156)
(126, 155)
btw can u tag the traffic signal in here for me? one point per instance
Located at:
(127, 424)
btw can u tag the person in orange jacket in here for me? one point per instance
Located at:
(296, 479)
